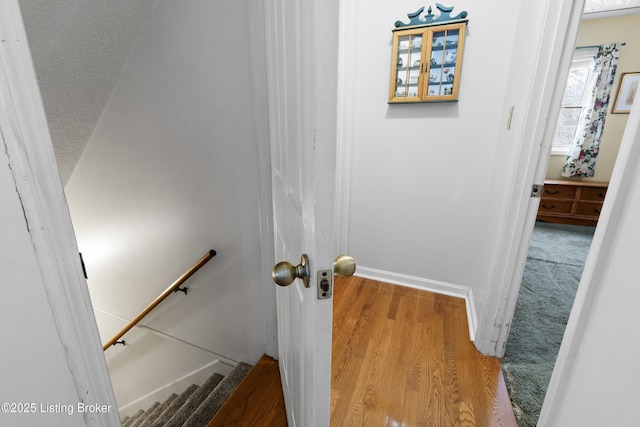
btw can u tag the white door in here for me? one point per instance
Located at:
(302, 69)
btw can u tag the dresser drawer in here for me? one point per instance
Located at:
(553, 191)
(592, 209)
(593, 194)
(572, 202)
(555, 206)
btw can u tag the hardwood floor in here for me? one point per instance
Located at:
(402, 357)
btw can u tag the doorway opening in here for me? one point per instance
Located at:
(557, 252)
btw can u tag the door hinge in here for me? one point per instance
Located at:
(536, 190)
(84, 269)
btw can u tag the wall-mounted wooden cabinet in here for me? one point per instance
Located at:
(426, 59)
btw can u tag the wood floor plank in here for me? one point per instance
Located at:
(365, 396)
(416, 368)
(396, 373)
(346, 364)
(258, 401)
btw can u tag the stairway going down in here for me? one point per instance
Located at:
(194, 407)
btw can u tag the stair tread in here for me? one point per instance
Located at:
(174, 406)
(214, 401)
(146, 415)
(133, 418)
(159, 410)
(192, 403)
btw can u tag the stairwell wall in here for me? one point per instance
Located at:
(52, 368)
(173, 169)
(35, 370)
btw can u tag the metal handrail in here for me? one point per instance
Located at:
(175, 286)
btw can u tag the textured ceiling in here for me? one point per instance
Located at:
(79, 48)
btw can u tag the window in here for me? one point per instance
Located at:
(578, 95)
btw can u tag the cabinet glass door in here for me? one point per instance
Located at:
(407, 75)
(426, 64)
(443, 64)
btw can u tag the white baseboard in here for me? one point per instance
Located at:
(427, 285)
(198, 377)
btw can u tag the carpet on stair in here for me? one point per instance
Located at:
(148, 413)
(174, 406)
(133, 418)
(185, 411)
(195, 407)
(159, 410)
(214, 401)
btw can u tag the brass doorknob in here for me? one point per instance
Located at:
(344, 266)
(284, 273)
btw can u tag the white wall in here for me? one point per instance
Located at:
(421, 175)
(52, 366)
(173, 169)
(34, 364)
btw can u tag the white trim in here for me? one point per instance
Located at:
(558, 150)
(344, 138)
(30, 153)
(625, 173)
(428, 285)
(558, 28)
(611, 13)
(197, 377)
(261, 126)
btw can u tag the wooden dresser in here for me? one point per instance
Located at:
(572, 202)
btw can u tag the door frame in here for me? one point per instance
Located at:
(625, 172)
(28, 147)
(257, 30)
(554, 50)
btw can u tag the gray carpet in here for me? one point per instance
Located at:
(192, 403)
(212, 404)
(552, 273)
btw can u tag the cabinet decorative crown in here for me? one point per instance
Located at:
(430, 19)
